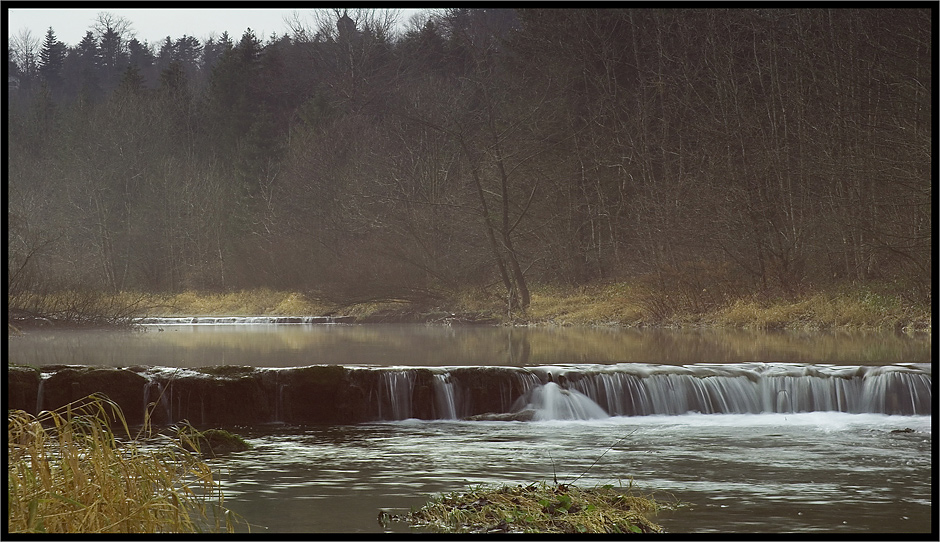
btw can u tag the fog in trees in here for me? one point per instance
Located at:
(710, 152)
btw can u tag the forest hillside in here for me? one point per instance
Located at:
(705, 154)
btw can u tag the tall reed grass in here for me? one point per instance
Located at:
(70, 472)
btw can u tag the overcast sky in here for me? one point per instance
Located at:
(154, 25)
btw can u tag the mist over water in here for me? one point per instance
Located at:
(752, 432)
(298, 345)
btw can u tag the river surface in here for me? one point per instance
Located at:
(298, 345)
(770, 473)
(806, 472)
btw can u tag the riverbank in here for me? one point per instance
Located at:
(620, 304)
(877, 307)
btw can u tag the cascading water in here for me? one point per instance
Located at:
(336, 394)
(396, 388)
(445, 398)
(781, 389)
(279, 402)
(39, 395)
(552, 402)
(155, 393)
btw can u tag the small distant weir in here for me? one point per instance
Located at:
(331, 394)
(231, 320)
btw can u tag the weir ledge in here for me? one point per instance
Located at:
(333, 394)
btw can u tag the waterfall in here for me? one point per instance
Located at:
(444, 396)
(552, 402)
(395, 392)
(39, 396)
(336, 394)
(678, 390)
(893, 391)
(154, 393)
(279, 402)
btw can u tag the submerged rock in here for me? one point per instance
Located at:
(213, 442)
(522, 416)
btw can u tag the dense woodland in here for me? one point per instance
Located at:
(713, 151)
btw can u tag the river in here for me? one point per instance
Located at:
(783, 468)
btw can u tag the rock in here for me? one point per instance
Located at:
(213, 442)
(521, 416)
(126, 388)
(22, 388)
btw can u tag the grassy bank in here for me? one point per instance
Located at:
(870, 306)
(847, 306)
(71, 471)
(260, 302)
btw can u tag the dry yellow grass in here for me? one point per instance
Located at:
(593, 304)
(69, 473)
(242, 303)
(596, 304)
(861, 309)
(625, 303)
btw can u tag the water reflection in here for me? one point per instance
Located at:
(422, 345)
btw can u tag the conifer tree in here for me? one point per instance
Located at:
(87, 56)
(112, 57)
(140, 56)
(51, 61)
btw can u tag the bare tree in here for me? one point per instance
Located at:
(24, 49)
(328, 24)
(106, 22)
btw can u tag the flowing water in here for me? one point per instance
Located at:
(736, 473)
(751, 432)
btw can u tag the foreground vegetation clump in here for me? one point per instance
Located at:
(212, 442)
(538, 508)
(68, 472)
